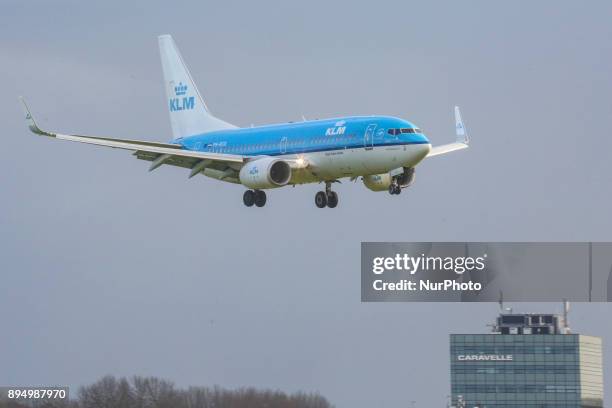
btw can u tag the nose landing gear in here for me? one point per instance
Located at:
(327, 198)
(405, 179)
(395, 188)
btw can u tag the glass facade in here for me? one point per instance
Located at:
(526, 370)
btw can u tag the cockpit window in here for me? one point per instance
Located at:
(404, 130)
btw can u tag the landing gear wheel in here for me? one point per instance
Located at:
(260, 198)
(332, 199)
(394, 189)
(249, 198)
(321, 199)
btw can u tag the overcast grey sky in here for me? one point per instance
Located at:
(107, 269)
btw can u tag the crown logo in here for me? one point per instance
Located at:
(180, 89)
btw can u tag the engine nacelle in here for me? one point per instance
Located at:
(381, 182)
(266, 172)
(377, 182)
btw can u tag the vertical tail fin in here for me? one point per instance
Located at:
(462, 136)
(188, 112)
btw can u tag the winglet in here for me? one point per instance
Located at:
(30, 120)
(462, 136)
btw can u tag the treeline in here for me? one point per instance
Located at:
(151, 392)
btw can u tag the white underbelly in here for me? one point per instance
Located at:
(336, 164)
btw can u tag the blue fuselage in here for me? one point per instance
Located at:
(308, 137)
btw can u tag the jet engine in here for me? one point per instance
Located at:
(266, 172)
(382, 182)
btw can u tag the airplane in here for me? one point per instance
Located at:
(382, 150)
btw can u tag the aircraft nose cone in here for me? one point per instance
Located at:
(425, 149)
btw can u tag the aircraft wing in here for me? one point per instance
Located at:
(462, 141)
(157, 153)
(446, 148)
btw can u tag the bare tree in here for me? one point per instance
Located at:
(152, 392)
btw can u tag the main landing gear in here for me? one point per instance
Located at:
(327, 198)
(256, 197)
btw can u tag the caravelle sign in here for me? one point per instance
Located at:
(485, 357)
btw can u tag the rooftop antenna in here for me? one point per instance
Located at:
(566, 309)
(494, 327)
(609, 297)
(501, 303)
(590, 271)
